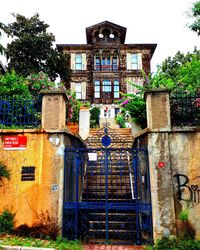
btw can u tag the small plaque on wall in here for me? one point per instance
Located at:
(28, 173)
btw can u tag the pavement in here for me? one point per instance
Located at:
(111, 247)
(85, 247)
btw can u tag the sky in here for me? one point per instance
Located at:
(163, 22)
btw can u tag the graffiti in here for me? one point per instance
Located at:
(187, 192)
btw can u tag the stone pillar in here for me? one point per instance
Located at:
(158, 109)
(84, 122)
(162, 197)
(53, 109)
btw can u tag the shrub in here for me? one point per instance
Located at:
(6, 221)
(4, 171)
(94, 117)
(174, 243)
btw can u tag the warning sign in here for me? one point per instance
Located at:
(13, 142)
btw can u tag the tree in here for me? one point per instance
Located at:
(31, 50)
(3, 29)
(13, 84)
(195, 26)
(180, 73)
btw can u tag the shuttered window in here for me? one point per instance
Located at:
(79, 89)
(78, 61)
(134, 61)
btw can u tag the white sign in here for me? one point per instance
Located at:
(92, 156)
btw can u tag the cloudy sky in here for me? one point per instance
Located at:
(147, 21)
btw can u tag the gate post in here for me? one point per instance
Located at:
(158, 109)
(158, 120)
(84, 122)
(53, 109)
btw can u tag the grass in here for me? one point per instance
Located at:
(60, 244)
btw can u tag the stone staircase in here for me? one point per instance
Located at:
(108, 187)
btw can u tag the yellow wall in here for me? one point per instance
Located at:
(29, 198)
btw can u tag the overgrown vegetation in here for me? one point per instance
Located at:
(175, 244)
(6, 221)
(59, 243)
(4, 171)
(45, 227)
(94, 117)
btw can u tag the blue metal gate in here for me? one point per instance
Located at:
(107, 194)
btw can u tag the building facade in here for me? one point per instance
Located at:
(102, 68)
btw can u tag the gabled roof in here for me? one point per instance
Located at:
(105, 24)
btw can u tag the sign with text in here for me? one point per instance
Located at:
(14, 142)
(92, 156)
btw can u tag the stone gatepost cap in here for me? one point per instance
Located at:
(54, 92)
(156, 91)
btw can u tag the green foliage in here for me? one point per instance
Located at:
(38, 82)
(174, 243)
(31, 50)
(59, 243)
(72, 106)
(94, 117)
(120, 120)
(12, 84)
(135, 105)
(4, 171)
(195, 13)
(6, 221)
(184, 215)
(180, 74)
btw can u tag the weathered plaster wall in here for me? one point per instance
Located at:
(161, 185)
(29, 198)
(174, 160)
(185, 164)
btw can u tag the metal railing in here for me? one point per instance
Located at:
(185, 110)
(19, 113)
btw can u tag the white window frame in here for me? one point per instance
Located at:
(132, 64)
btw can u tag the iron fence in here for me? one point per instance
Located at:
(20, 113)
(185, 110)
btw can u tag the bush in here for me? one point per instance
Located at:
(174, 243)
(4, 172)
(6, 221)
(94, 117)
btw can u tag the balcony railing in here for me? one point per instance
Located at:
(16, 112)
(185, 110)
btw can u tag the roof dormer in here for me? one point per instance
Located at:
(105, 32)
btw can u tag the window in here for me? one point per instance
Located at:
(132, 89)
(116, 89)
(107, 86)
(115, 66)
(134, 61)
(97, 89)
(97, 62)
(78, 62)
(107, 89)
(106, 62)
(78, 90)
